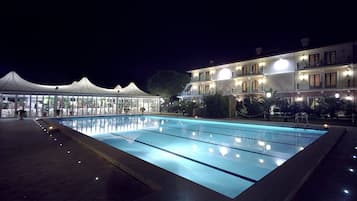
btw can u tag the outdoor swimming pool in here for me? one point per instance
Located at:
(224, 157)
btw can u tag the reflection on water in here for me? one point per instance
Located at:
(100, 125)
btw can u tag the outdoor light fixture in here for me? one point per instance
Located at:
(50, 127)
(349, 97)
(303, 57)
(354, 156)
(261, 81)
(281, 64)
(303, 77)
(96, 178)
(79, 162)
(261, 64)
(224, 74)
(301, 148)
(237, 155)
(239, 82)
(193, 133)
(337, 95)
(68, 152)
(348, 72)
(196, 117)
(210, 150)
(299, 99)
(268, 94)
(346, 191)
(351, 170)
(325, 125)
(261, 160)
(261, 143)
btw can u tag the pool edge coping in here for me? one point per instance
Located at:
(260, 190)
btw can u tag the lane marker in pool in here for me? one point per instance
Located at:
(191, 159)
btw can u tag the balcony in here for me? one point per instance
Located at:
(303, 65)
(248, 73)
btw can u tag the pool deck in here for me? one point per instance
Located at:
(35, 167)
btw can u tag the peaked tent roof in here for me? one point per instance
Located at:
(12, 82)
(132, 89)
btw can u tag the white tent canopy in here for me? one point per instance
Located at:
(12, 83)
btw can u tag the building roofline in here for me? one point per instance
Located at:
(275, 54)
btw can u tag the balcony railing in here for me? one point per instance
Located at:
(306, 65)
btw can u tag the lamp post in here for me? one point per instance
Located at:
(267, 110)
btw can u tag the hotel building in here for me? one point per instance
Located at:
(80, 98)
(299, 76)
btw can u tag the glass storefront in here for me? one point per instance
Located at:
(70, 105)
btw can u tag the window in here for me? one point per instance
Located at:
(255, 85)
(314, 59)
(244, 87)
(207, 89)
(330, 57)
(314, 81)
(207, 75)
(255, 69)
(245, 70)
(200, 89)
(330, 80)
(200, 76)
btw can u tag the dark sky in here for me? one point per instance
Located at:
(56, 42)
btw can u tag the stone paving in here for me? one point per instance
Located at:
(336, 177)
(34, 166)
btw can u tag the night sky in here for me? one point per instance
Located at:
(57, 43)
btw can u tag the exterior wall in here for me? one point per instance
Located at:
(309, 73)
(64, 105)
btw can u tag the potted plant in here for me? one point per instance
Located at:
(142, 110)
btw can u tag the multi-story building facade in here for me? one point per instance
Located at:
(299, 76)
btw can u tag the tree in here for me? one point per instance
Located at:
(167, 83)
(217, 106)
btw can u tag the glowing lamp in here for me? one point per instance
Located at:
(281, 64)
(268, 94)
(224, 74)
(337, 95)
(349, 98)
(325, 125)
(299, 99)
(261, 64)
(303, 57)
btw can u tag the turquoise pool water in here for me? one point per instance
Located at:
(224, 157)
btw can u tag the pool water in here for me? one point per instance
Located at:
(224, 157)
